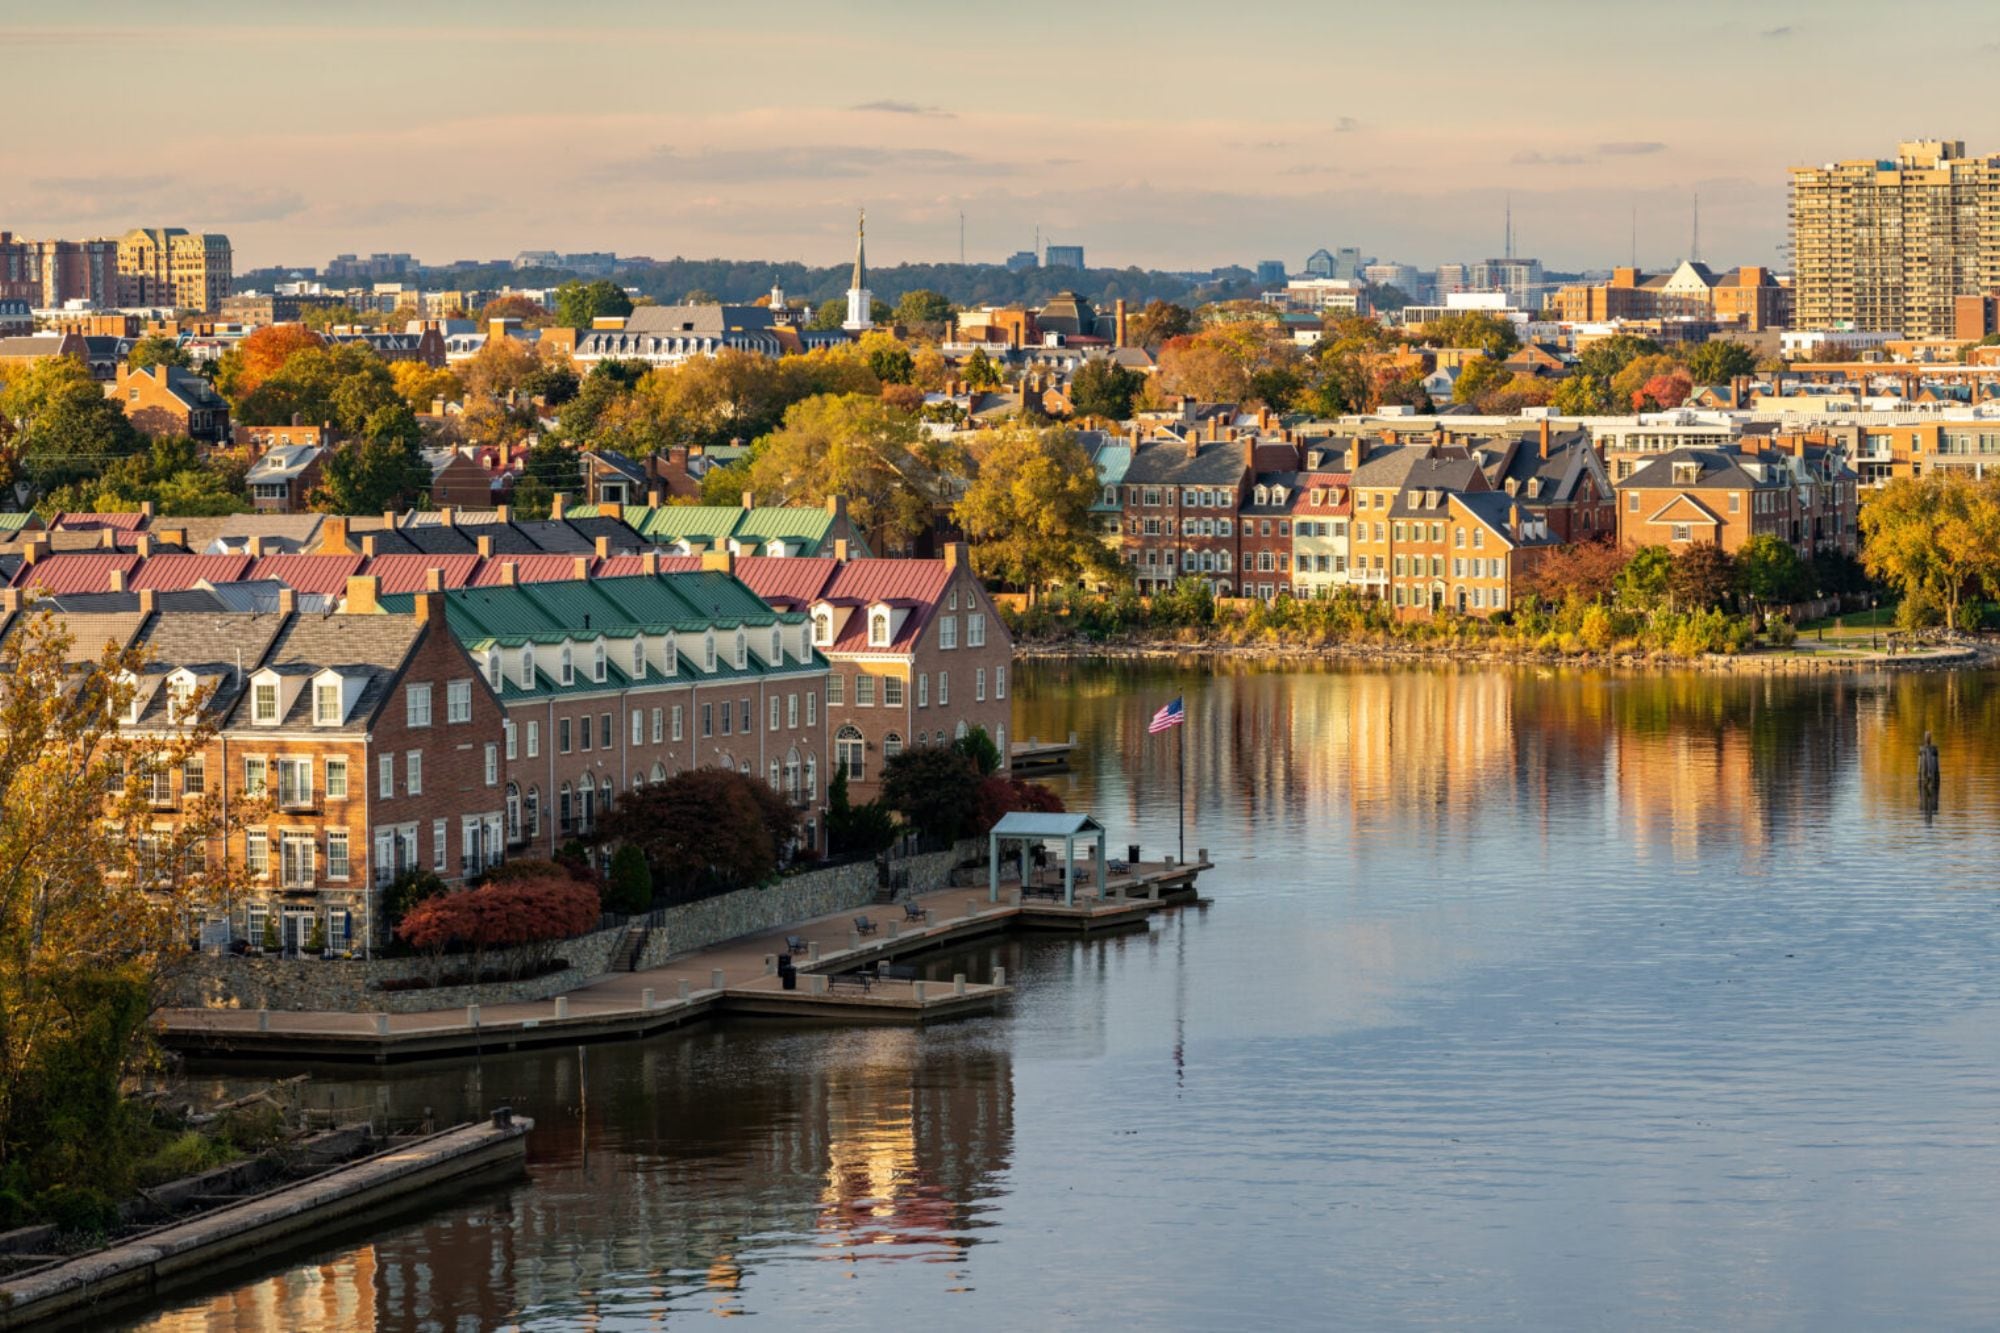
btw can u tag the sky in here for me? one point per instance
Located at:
(1164, 135)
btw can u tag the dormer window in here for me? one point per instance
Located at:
(326, 704)
(671, 655)
(639, 657)
(180, 697)
(742, 650)
(566, 670)
(494, 670)
(878, 629)
(708, 651)
(823, 628)
(1263, 495)
(527, 676)
(597, 662)
(1277, 495)
(777, 646)
(264, 702)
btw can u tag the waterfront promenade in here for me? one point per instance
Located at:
(735, 976)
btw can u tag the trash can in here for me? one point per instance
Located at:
(1132, 854)
(788, 976)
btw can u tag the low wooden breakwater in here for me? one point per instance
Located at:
(741, 976)
(85, 1290)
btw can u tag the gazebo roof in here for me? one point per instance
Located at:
(1034, 824)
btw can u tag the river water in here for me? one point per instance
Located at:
(1526, 998)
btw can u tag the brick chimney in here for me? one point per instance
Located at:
(603, 548)
(836, 506)
(368, 545)
(254, 545)
(1118, 322)
(957, 554)
(749, 500)
(117, 580)
(363, 595)
(144, 546)
(1215, 428)
(1357, 454)
(653, 499)
(149, 601)
(433, 579)
(333, 536)
(446, 517)
(1543, 444)
(649, 562)
(840, 549)
(485, 545)
(389, 519)
(107, 539)
(429, 606)
(503, 514)
(719, 561)
(510, 573)
(146, 506)
(556, 507)
(288, 601)
(610, 511)
(580, 567)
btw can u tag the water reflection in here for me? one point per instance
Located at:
(1529, 997)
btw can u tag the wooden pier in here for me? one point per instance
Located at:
(737, 977)
(1034, 757)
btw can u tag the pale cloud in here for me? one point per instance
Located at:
(805, 162)
(1346, 125)
(1777, 33)
(1632, 147)
(898, 108)
(1533, 158)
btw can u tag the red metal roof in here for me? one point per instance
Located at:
(793, 580)
(75, 571)
(77, 521)
(409, 573)
(326, 574)
(919, 583)
(630, 566)
(550, 568)
(172, 573)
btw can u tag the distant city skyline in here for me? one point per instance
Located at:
(1171, 135)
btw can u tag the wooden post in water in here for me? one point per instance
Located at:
(1927, 775)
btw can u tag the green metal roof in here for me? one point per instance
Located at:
(15, 522)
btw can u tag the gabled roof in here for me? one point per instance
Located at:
(918, 584)
(1683, 509)
(308, 573)
(75, 571)
(165, 573)
(409, 573)
(375, 645)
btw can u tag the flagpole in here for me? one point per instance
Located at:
(1180, 754)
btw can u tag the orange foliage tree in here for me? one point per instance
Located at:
(529, 915)
(260, 355)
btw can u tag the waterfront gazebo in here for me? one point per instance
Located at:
(1027, 828)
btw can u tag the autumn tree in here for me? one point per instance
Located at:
(421, 385)
(999, 797)
(1701, 577)
(1581, 394)
(260, 354)
(95, 892)
(1629, 384)
(532, 313)
(1769, 571)
(531, 916)
(344, 385)
(923, 312)
(1231, 363)
(62, 427)
(1159, 322)
(1577, 572)
(1663, 392)
(979, 372)
(1476, 377)
(500, 366)
(894, 475)
(1935, 539)
(1028, 509)
(1605, 357)
(578, 304)
(1493, 336)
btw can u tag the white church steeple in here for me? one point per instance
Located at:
(859, 305)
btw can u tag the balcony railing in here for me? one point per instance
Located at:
(296, 798)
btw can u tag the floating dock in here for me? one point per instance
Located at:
(738, 976)
(1035, 757)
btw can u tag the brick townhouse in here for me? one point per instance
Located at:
(1181, 503)
(614, 682)
(366, 744)
(1264, 546)
(1495, 543)
(1321, 506)
(1419, 542)
(917, 652)
(1722, 498)
(1560, 478)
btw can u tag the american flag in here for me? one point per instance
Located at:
(1171, 715)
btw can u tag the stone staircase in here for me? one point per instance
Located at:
(630, 948)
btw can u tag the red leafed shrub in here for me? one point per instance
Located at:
(1000, 796)
(528, 915)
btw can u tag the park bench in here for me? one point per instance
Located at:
(915, 912)
(863, 926)
(795, 944)
(861, 979)
(895, 972)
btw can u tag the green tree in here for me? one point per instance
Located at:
(1769, 571)
(64, 429)
(579, 303)
(555, 465)
(1607, 356)
(1701, 577)
(1157, 323)
(828, 316)
(1493, 336)
(382, 470)
(1718, 362)
(1103, 388)
(934, 788)
(888, 358)
(1027, 509)
(855, 830)
(171, 475)
(157, 349)
(924, 311)
(1644, 581)
(979, 371)
(978, 747)
(1935, 539)
(630, 888)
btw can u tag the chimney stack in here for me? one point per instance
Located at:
(840, 550)
(149, 601)
(288, 601)
(368, 546)
(1118, 323)
(504, 514)
(254, 545)
(446, 517)
(485, 548)
(611, 511)
(652, 499)
(433, 579)
(836, 506)
(749, 500)
(146, 506)
(580, 567)
(603, 548)
(333, 536)
(144, 545)
(363, 594)
(117, 580)
(429, 606)
(1544, 443)
(510, 573)
(556, 507)
(956, 555)
(649, 562)
(719, 561)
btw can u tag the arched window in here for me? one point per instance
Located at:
(792, 772)
(586, 804)
(493, 668)
(1263, 495)
(777, 645)
(708, 651)
(566, 811)
(812, 776)
(958, 734)
(1000, 744)
(567, 672)
(531, 812)
(638, 657)
(597, 662)
(659, 773)
(513, 813)
(1222, 587)
(742, 650)
(878, 630)
(892, 745)
(527, 668)
(848, 749)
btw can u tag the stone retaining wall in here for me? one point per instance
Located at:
(350, 985)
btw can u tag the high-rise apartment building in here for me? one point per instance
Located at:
(171, 266)
(1886, 246)
(48, 273)
(1063, 256)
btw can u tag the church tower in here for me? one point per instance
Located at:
(858, 302)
